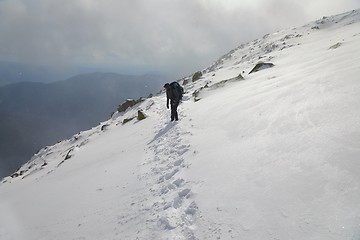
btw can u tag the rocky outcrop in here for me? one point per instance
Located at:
(197, 76)
(261, 66)
(140, 115)
(129, 103)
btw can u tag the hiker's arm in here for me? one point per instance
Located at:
(167, 100)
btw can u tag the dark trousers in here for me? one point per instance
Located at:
(174, 113)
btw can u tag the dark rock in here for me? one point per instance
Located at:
(240, 77)
(261, 66)
(335, 46)
(103, 127)
(14, 175)
(141, 115)
(196, 76)
(129, 103)
(126, 120)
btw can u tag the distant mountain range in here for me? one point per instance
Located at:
(11, 72)
(34, 114)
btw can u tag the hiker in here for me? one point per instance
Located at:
(173, 93)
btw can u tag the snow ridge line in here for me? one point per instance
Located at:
(173, 206)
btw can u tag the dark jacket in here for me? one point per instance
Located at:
(170, 95)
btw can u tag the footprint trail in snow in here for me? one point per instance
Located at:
(174, 209)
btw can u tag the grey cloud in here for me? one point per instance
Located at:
(183, 35)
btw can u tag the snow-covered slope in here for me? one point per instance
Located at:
(273, 156)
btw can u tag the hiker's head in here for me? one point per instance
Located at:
(167, 86)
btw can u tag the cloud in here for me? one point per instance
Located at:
(180, 35)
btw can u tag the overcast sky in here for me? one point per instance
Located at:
(149, 35)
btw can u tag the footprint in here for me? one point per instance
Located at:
(184, 193)
(167, 176)
(190, 214)
(178, 182)
(171, 174)
(165, 224)
(178, 162)
(167, 188)
(177, 202)
(179, 199)
(191, 209)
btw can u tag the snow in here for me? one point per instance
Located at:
(273, 156)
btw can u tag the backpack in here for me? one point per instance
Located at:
(177, 90)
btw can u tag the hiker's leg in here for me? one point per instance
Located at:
(176, 104)
(173, 111)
